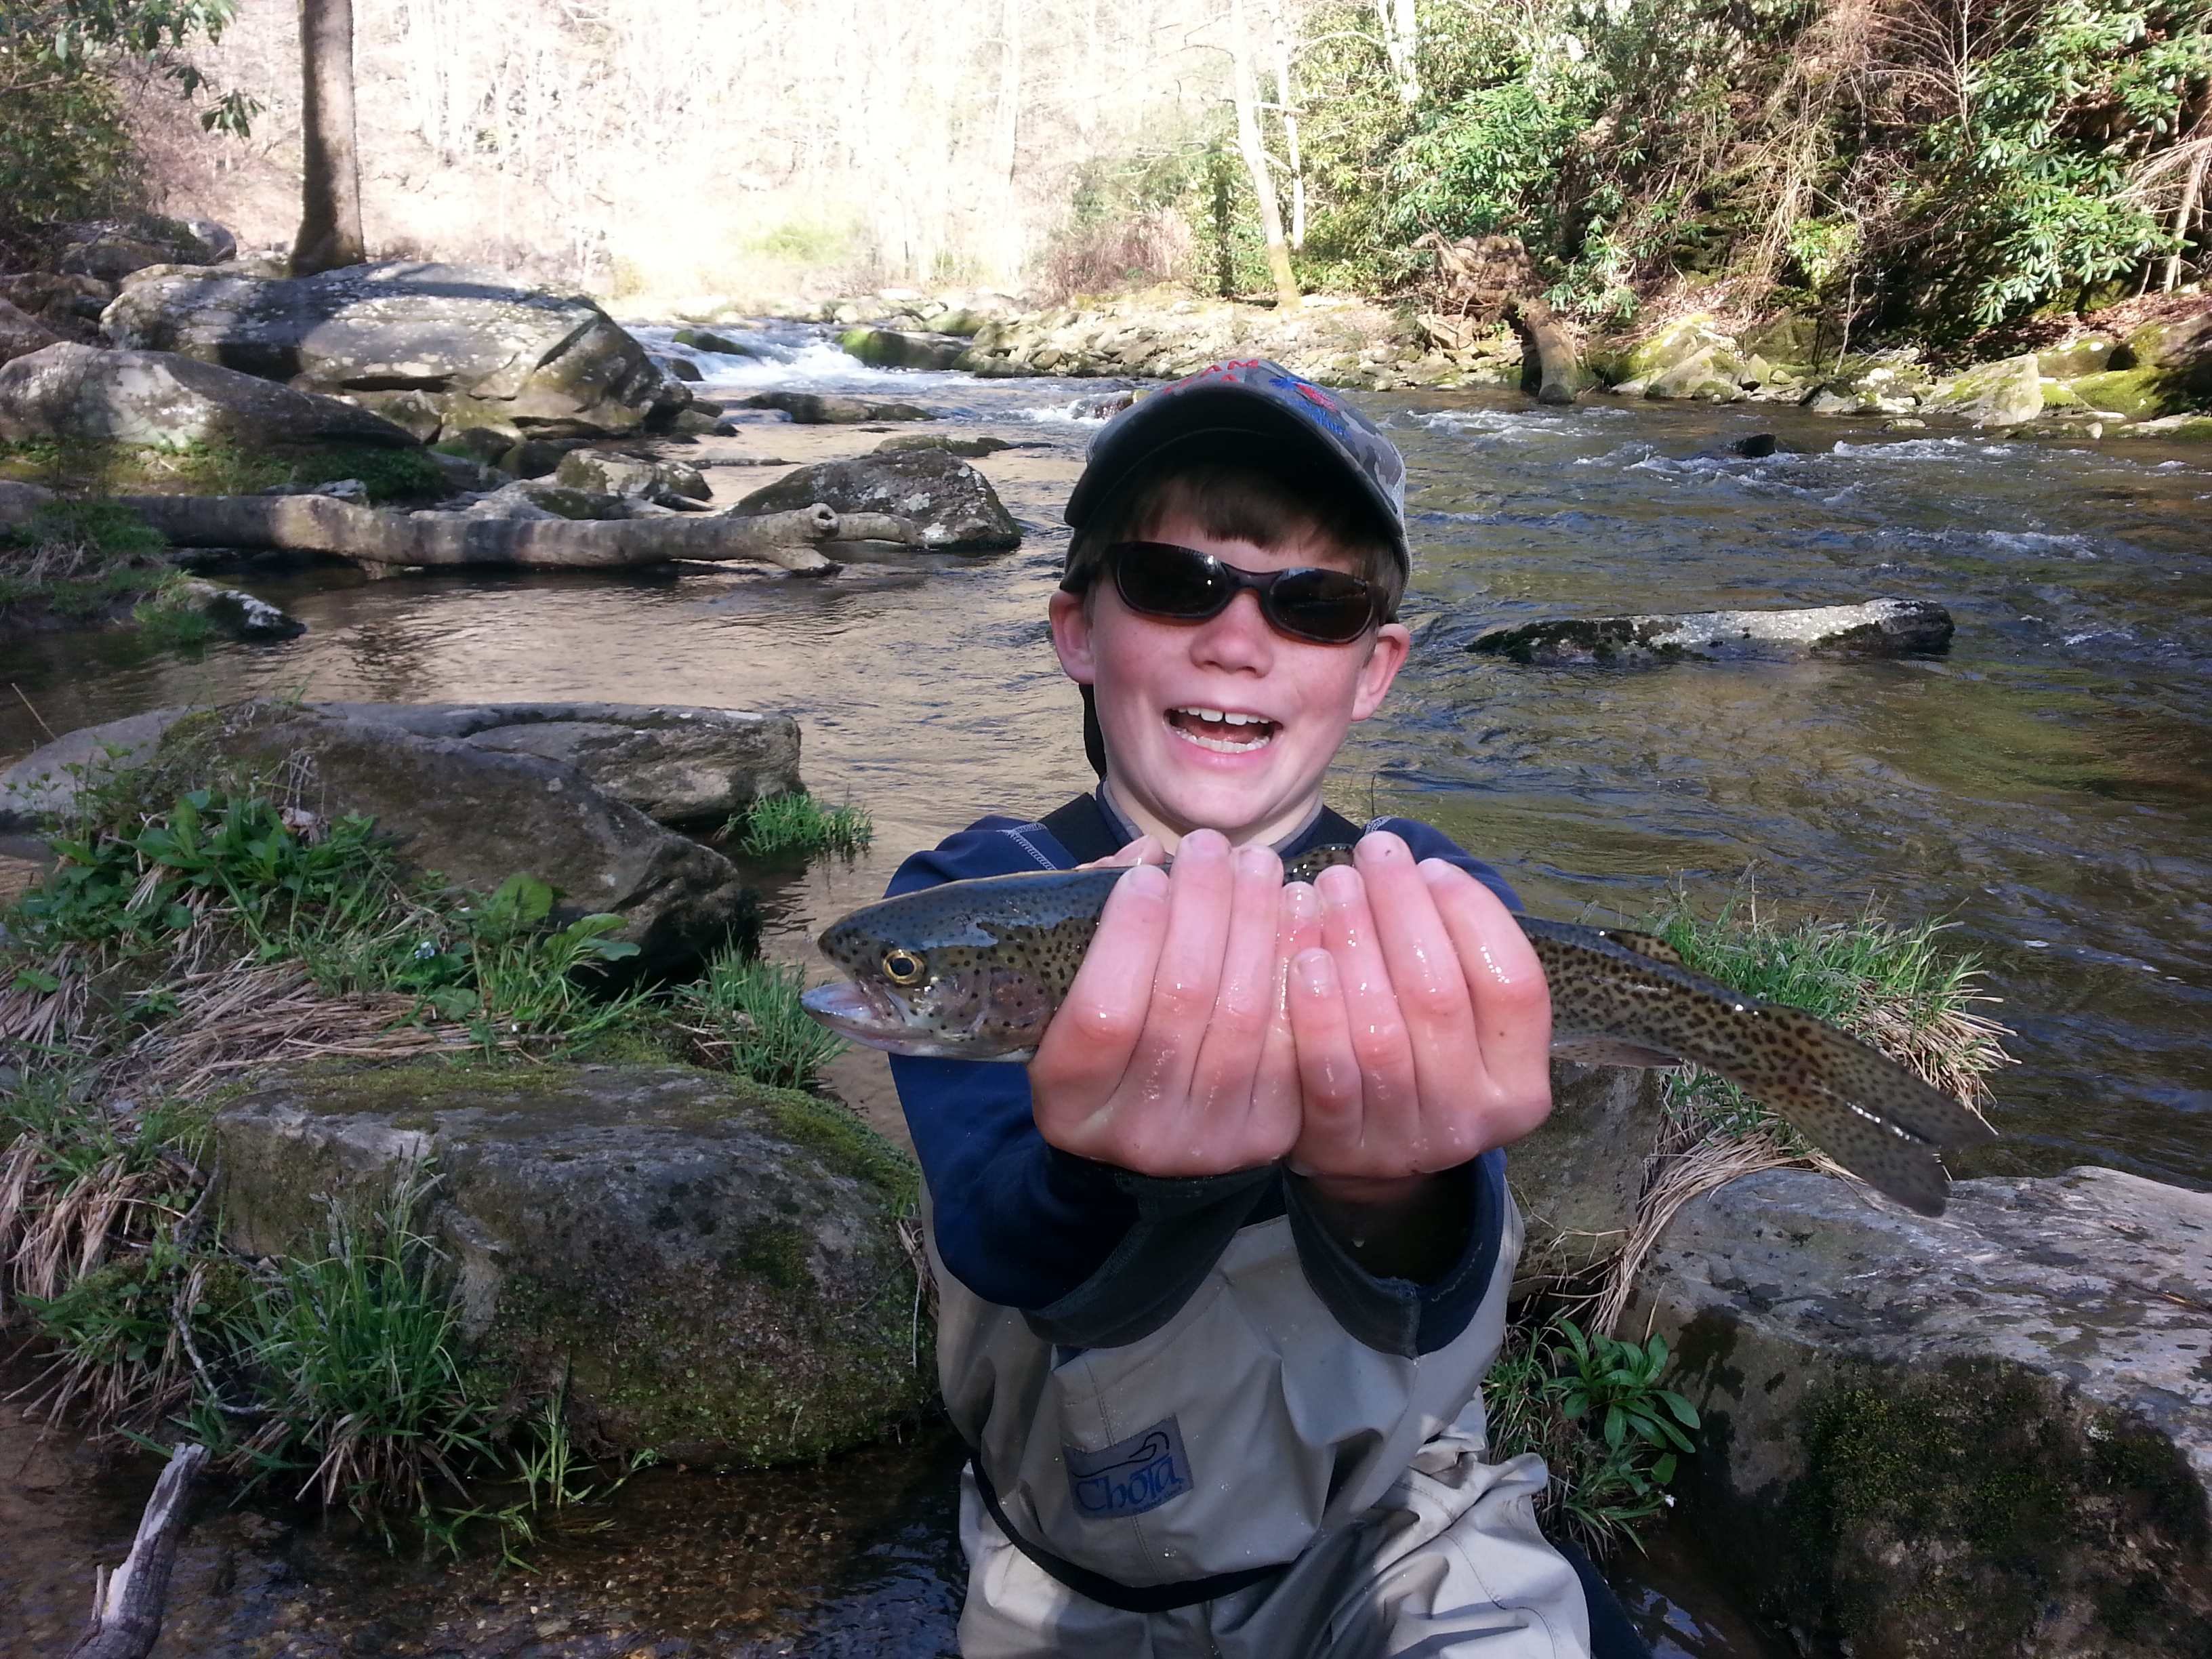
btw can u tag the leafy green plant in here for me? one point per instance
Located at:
(528, 974)
(744, 1016)
(796, 826)
(1592, 1406)
(391, 474)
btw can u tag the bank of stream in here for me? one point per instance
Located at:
(2045, 787)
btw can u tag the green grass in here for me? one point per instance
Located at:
(745, 1016)
(796, 826)
(81, 559)
(94, 468)
(1890, 984)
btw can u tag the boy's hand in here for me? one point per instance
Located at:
(1422, 1022)
(1172, 1053)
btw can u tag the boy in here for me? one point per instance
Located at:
(1221, 1272)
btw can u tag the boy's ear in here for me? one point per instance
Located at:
(1071, 637)
(1392, 642)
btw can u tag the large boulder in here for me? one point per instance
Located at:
(1878, 628)
(889, 348)
(21, 334)
(1987, 1435)
(1690, 358)
(160, 399)
(112, 249)
(2007, 393)
(70, 305)
(952, 505)
(483, 349)
(827, 409)
(1577, 1177)
(674, 763)
(714, 1267)
(666, 483)
(478, 815)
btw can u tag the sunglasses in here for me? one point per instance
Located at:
(1181, 583)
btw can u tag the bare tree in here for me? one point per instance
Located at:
(330, 184)
(1278, 15)
(1401, 45)
(1254, 148)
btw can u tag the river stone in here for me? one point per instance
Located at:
(1576, 1178)
(1987, 1435)
(971, 448)
(233, 612)
(487, 349)
(1878, 628)
(163, 399)
(2001, 394)
(950, 502)
(674, 763)
(21, 334)
(667, 482)
(822, 408)
(715, 1266)
(477, 816)
(43, 784)
(889, 348)
(70, 306)
(1692, 358)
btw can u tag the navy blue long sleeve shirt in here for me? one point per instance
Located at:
(1094, 1253)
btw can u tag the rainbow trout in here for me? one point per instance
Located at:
(976, 970)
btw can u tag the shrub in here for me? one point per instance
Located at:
(796, 826)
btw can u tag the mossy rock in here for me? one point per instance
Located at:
(2140, 393)
(715, 1266)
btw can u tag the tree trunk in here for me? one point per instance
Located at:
(319, 525)
(1278, 15)
(330, 185)
(1401, 43)
(2192, 193)
(1255, 150)
(126, 1612)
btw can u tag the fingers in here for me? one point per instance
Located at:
(1087, 1048)
(1422, 1027)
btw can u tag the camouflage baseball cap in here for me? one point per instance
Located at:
(1235, 404)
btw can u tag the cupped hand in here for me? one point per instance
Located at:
(1421, 1019)
(1171, 1054)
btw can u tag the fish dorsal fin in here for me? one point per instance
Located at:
(1645, 945)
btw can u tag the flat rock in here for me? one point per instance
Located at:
(476, 815)
(715, 1266)
(824, 409)
(44, 783)
(674, 763)
(480, 348)
(951, 505)
(1986, 1434)
(160, 399)
(1878, 628)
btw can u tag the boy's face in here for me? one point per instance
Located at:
(1161, 687)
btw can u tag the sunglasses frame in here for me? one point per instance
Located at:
(1262, 585)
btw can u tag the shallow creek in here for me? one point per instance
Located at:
(2044, 787)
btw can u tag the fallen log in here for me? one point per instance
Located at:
(127, 1604)
(1560, 371)
(320, 523)
(1877, 628)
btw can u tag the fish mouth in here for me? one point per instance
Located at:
(850, 1012)
(1225, 731)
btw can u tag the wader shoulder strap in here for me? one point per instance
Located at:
(1111, 1592)
(1081, 826)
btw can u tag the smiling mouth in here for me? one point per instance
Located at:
(1224, 733)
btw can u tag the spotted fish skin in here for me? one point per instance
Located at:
(983, 965)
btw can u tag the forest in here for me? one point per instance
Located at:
(1922, 168)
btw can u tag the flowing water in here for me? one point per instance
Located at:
(2044, 787)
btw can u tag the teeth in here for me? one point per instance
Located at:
(1219, 718)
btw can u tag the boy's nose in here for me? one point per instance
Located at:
(1239, 637)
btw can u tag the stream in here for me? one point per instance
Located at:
(2043, 788)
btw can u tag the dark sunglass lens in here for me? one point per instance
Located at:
(1169, 582)
(1322, 605)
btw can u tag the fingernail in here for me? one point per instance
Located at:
(1338, 884)
(1302, 904)
(1315, 972)
(1205, 843)
(1147, 880)
(1381, 846)
(1256, 861)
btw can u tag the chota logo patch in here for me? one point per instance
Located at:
(1130, 1476)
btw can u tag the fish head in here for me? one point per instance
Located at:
(952, 979)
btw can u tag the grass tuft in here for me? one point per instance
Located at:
(796, 826)
(745, 1016)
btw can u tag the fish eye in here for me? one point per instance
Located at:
(902, 966)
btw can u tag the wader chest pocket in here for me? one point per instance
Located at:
(1130, 1476)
